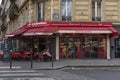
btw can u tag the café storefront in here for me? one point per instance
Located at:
(71, 40)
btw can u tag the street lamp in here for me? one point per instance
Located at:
(31, 51)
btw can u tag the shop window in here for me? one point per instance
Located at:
(68, 47)
(2, 45)
(41, 8)
(66, 10)
(83, 47)
(14, 45)
(94, 47)
(96, 10)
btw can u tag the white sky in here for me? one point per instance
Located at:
(0, 2)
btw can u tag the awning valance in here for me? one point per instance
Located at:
(90, 30)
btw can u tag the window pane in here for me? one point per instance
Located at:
(99, 9)
(66, 10)
(69, 8)
(41, 11)
(96, 10)
(93, 10)
(69, 12)
(63, 10)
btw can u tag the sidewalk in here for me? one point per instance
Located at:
(62, 64)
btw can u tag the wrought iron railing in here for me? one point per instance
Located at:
(96, 18)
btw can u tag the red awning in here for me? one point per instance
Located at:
(18, 31)
(82, 30)
(115, 33)
(25, 28)
(89, 30)
(48, 28)
(21, 30)
(40, 31)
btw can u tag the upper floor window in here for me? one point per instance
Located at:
(66, 10)
(96, 10)
(27, 15)
(41, 7)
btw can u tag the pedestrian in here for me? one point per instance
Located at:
(47, 55)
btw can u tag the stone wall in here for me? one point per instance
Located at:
(48, 10)
(22, 19)
(81, 10)
(111, 11)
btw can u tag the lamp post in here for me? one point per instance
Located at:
(30, 21)
(10, 48)
(50, 46)
(31, 59)
(52, 60)
(31, 51)
(53, 36)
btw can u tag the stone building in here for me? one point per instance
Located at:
(76, 28)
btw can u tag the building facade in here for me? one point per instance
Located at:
(85, 28)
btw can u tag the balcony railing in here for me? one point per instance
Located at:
(13, 11)
(96, 18)
(66, 18)
(40, 19)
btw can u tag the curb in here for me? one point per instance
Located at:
(75, 68)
